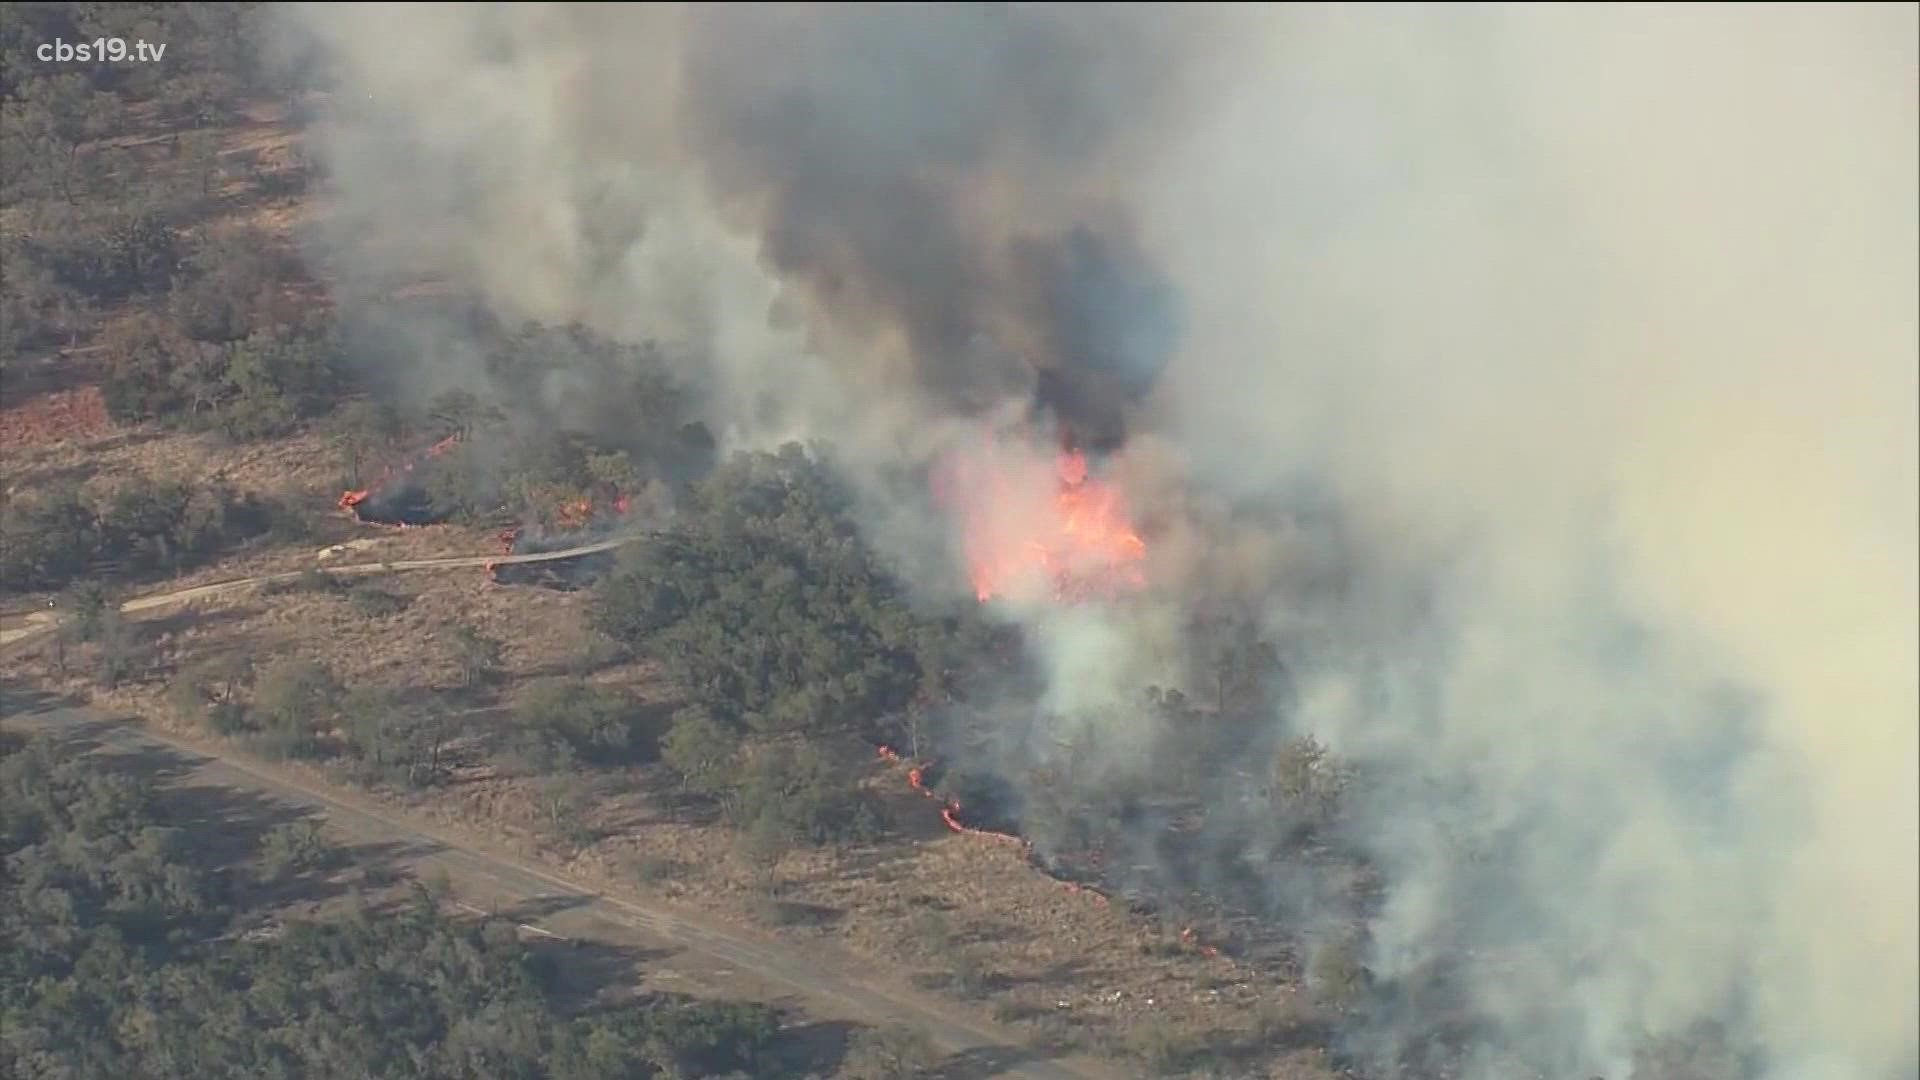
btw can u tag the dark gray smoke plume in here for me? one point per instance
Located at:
(931, 177)
(1542, 378)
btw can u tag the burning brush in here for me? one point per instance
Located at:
(395, 498)
(1036, 526)
(571, 524)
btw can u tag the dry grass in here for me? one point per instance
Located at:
(70, 414)
(1068, 968)
(1063, 965)
(304, 462)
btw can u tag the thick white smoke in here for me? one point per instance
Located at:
(1597, 326)
(1614, 311)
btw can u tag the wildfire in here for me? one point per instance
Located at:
(351, 499)
(1027, 529)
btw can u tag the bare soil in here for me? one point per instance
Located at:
(1075, 971)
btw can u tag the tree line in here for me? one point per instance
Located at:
(129, 952)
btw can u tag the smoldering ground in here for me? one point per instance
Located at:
(1590, 333)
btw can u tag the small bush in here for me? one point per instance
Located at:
(291, 849)
(654, 869)
(372, 602)
(1335, 975)
(1160, 1049)
(889, 1053)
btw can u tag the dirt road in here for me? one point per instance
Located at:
(683, 946)
(32, 623)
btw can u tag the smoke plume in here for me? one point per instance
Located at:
(1545, 378)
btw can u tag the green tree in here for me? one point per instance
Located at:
(803, 793)
(230, 288)
(46, 538)
(766, 607)
(460, 413)
(293, 699)
(145, 355)
(563, 802)
(85, 608)
(293, 848)
(594, 723)
(52, 119)
(277, 379)
(119, 649)
(1309, 784)
(366, 432)
(614, 469)
(477, 655)
(704, 754)
(208, 693)
(367, 716)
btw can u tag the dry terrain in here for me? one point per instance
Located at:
(1063, 967)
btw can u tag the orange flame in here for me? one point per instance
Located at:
(1061, 532)
(351, 499)
(950, 815)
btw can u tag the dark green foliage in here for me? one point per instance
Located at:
(461, 413)
(806, 796)
(395, 739)
(113, 963)
(591, 723)
(293, 703)
(93, 873)
(705, 754)
(889, 1053)
(45, 126)
(84, 609)
(209, 693)
(367, 432)
(293, 848)
(137, 527)
(275, 379)
(36, 308)
(249, 389)
(766, 606)
(626, 395)
(155, 371)
(46, 540)
(104, 253)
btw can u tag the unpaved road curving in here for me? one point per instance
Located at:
(708, 953)
(688, 950)
(32, 623)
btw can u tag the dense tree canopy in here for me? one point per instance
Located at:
(49, 538)
(120, 956)
(768, 608)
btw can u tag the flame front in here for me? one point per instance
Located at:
(1049, 530)
(351, 499)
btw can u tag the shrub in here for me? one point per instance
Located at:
(889, 1053)
(292, 700)
(292, 848)
(807, 796)
(595, 723)
(372, 602)
(1335, 975)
